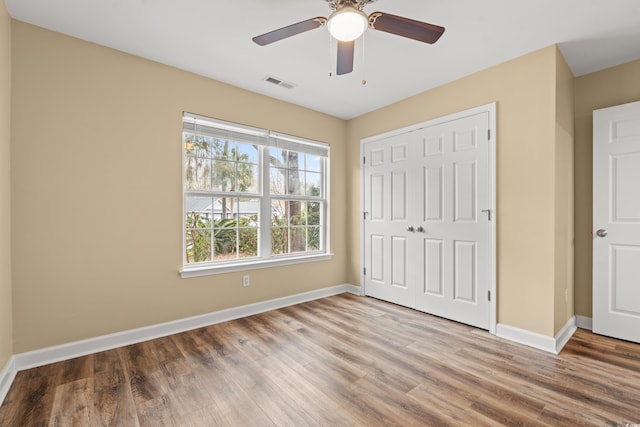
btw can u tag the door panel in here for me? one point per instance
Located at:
(616, 209)
(465, 191)
(377, 259)
(625, 297)
(464, 261)
(434, 194)
(433, 264)
(464, 139)
(625, 178)
(399, 261)
(432, 146)
(399, 196)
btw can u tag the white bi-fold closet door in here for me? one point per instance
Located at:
(428, 217)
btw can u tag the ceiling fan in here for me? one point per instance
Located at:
(347, 22)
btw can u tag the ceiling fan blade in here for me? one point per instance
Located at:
(405, 27)
(290, 30)
(345, 57)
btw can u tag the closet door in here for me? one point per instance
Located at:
(389, 206)
(427, 230)
(453, 274)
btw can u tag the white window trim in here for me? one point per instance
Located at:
(212, 267)
(208, 269)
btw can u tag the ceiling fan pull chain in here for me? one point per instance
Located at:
(331, 56)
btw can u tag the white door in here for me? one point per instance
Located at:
(616, 221)
(389, 202)
(453, 189)
(427, 241)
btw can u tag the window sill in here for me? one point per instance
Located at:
(207, 270)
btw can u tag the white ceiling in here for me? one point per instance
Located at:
(213, 38)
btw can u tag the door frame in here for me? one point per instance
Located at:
(491, 110)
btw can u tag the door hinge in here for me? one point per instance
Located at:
(364, 160)
(489, 295)
(365, 271)
(489, 134)
(364, 215)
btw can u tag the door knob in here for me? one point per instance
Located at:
(410, 228)
(601, 233)
(420, 229)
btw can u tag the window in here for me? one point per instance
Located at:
(251, 197)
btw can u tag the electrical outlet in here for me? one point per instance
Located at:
(245, 281)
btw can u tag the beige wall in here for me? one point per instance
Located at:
(96, 169)
(563, 298)
(96, 199)
(525, 91)
(613, 86)
(6, 339)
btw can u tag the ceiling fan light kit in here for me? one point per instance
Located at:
(348, 22)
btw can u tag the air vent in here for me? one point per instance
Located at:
(278, 82)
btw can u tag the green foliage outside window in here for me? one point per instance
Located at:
(230, 236)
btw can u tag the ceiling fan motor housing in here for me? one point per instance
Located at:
(358, 4)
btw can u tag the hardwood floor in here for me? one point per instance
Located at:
(343, 360)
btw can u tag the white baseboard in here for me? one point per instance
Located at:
(565, 334)
(71, 350)
(6, 378)
(539, 341)
(584, 322)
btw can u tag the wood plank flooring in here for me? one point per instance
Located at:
(343, 360)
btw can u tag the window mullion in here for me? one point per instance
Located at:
(324, 212)
(265, 205)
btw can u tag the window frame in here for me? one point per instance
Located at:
(266, 140)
